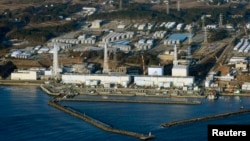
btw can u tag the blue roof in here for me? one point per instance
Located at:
(123, 42)
(179, 36)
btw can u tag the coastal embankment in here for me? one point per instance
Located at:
(22, 82)
(97, 123)
(134, 101)
(175, 123)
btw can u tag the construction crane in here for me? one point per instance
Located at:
(245, 29)
(81, 54)
(143, 65)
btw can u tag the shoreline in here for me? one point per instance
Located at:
(21, 82)
(40, 83)
(134, 101)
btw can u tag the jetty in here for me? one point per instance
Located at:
(98, 123)
(175, 123)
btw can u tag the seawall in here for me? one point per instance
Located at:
(134, 101)
(47, 91)
(97, 123)
(175, 123)
(22, 82)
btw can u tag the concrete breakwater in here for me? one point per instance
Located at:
(97, 123)
(47, 91)
(134, 101)
(175, 123)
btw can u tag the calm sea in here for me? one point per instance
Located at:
(26, 116)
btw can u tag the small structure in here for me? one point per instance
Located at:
(96, 24)
(155, 70)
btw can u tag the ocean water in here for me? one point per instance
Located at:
(26, 116)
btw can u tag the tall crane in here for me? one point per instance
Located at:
(245, 29)
(143, 65)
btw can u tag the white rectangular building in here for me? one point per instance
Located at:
(163, 80)
(103, 79)
(180, 70)
(24, 75)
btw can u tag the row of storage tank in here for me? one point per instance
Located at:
(242, 46)
(114, 36)
(171, 42)
(143, 46)
(159, 34)
(75, 41)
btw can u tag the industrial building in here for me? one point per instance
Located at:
(155, 70)
(43, 50)
(243, 46)
(115, 36)
(245, 86)
(123, 80)
(144, 44)
(176, 38)
(235, 60)
(24, 75)
(180, 70)
(165, 81)
(159, 34)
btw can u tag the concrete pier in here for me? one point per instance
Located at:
(97, 123)
(175, 123)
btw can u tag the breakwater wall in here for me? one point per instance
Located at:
(47, 91)
(175, 123)
(134, 101)
(97, 123)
